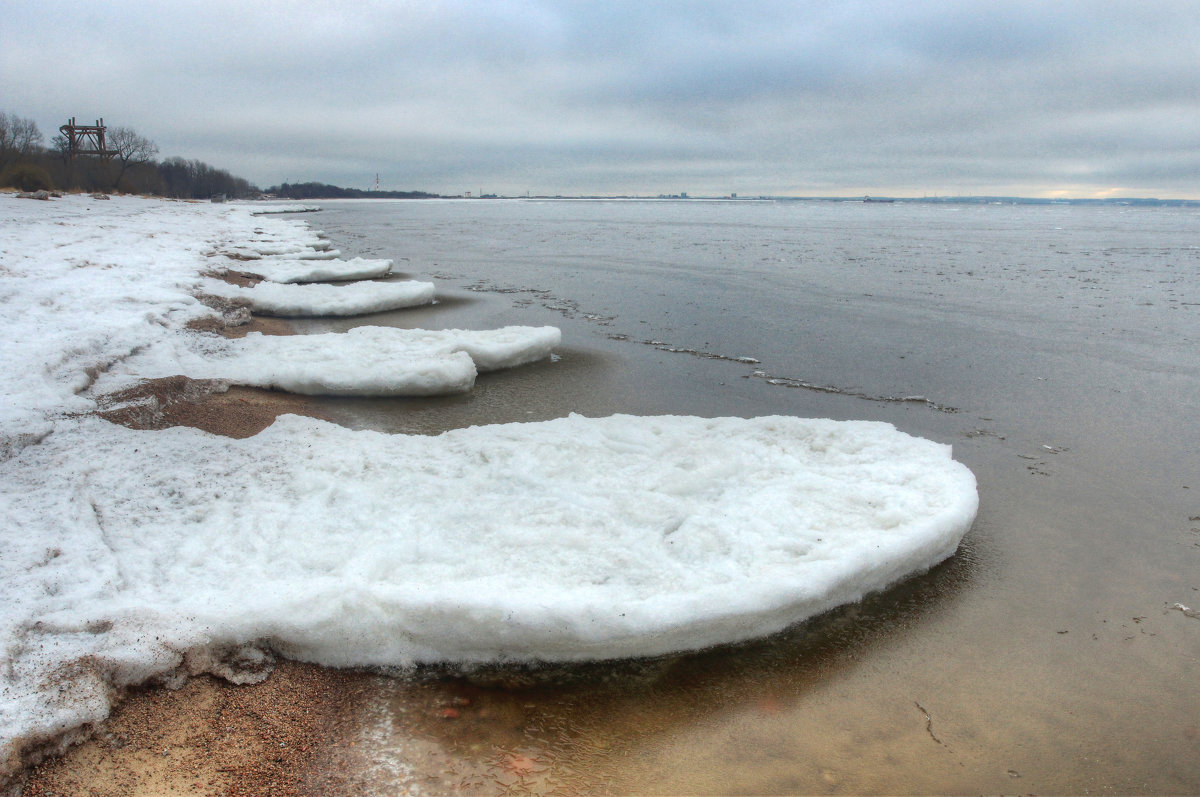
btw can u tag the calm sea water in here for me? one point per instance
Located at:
(1057, 348)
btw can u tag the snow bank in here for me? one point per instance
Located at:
(565, 540)
(273, 298)
(84, 283)
(290, 270)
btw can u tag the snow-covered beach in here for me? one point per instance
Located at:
(136, 555)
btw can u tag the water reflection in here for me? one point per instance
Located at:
(592, 728)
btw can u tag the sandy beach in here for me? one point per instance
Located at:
(209, 736)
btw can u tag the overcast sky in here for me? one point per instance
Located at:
(810, 98)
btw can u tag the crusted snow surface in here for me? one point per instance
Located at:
(291, 270)
(365, 361)
(564, 540)
(84, 283)
(359, 298)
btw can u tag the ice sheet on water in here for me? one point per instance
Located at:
(360, 298)
(566, 540)
(291, 248)
(279, 208)
(365, 361)
(291, 270)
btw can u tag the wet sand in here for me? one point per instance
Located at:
(211, 737)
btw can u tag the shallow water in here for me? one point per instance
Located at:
(1054, 346)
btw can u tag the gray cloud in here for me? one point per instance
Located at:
(616, 97)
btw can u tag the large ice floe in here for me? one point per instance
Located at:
(359, 298)
(565, 540)
(365, 361)
(127, 556)
(291, 270)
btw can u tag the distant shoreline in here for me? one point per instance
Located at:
(938, 200)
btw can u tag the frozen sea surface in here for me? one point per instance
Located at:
(359, 298)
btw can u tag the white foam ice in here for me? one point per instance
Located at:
(565, 540)
(291, 270)
(359, 298)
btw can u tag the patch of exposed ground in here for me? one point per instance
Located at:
(211, 737)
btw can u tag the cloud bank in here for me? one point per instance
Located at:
(1083, 98)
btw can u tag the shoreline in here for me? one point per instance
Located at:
(208, 735)
(298, 703)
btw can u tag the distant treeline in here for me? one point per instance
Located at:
(27, 165)
(325, 191)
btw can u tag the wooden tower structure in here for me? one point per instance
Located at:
(85, 139)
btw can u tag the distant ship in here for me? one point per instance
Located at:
(868, 199)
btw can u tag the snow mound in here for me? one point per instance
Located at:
(273, 298)
(567, 540)
(291, 270)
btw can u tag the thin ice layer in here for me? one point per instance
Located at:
(565, 540)
(271, 298)
(292, 270)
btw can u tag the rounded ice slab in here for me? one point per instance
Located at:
(374, 361)
(292, 270)
(271, 298)
(565, 540)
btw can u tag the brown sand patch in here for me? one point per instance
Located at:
(243, 279)
(211, 737)
(211, 405)
(240, 323)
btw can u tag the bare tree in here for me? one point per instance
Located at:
(61, 146)
(19, 138)
(130, 149)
